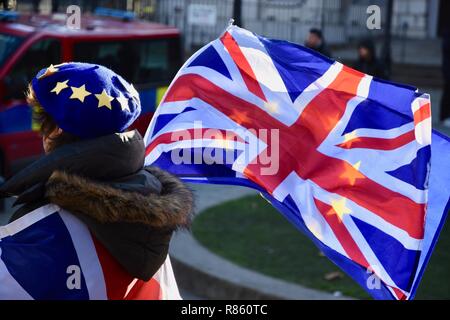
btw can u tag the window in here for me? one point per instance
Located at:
(8, 44)
(40, 55)
(141, 62)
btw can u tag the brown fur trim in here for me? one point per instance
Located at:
(173, 208)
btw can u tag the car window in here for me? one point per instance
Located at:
(8, 44)
(141, 62)
(40, 55)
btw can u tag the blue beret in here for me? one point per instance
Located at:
(86, 100)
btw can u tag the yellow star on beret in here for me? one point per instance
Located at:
(60, 86)
(123, 102)
(48, 72)
(104, 100)
(79, 93)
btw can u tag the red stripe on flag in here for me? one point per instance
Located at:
(392, 206)
(323, 113)
(244, 67)
(379, 143)
(240, 111)
(150, 290)
(424, 112)
(342, 234)
(346, 240)
(399, 294)
(299, 143)
(117, 280)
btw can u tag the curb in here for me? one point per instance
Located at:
(212, 277)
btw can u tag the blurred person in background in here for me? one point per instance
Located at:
(317, 42)
(367, 60)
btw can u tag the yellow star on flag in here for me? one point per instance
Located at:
(104, 100)
(272, 107)
(48, 72)
(60, 86)
(123, 102)
(350, 174)
(79, 93)
(339, 208)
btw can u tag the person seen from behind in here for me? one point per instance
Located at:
(367, 60)
(316, 41)
(93, 168)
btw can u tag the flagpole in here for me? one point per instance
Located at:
(230, 23)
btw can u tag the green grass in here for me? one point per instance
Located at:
(251, 233)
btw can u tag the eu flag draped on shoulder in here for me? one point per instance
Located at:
(345, 157)
(91, 221)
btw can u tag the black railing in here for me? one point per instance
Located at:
(342, 21)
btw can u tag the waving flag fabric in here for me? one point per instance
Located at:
(344, 157)
(49, 254)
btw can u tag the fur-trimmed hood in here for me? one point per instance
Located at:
(171, 208)
(130, 209)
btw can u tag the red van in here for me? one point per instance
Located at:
(146, 54)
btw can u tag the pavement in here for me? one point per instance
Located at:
(206, 196)
(204, 274)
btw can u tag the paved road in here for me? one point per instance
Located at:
(208, 195)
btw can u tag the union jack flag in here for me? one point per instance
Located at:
(353, 165)
(48, 254)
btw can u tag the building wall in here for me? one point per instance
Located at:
(410, 18)
(341, 20)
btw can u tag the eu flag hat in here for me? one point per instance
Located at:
(86, 100)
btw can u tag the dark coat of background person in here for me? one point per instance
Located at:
(320, 46)
(372, 66)
(323, 49)
(130, 209)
